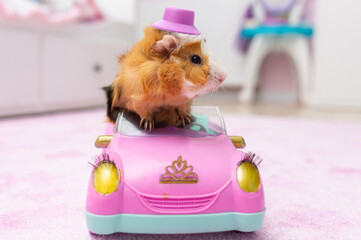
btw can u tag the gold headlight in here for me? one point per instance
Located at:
(106, 177)
(248, 176)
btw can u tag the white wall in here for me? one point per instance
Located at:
(338, 53)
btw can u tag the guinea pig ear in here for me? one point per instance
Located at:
(163, 48)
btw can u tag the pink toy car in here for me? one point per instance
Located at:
(174, 180)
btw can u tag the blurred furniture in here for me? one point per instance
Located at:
(296, 47)
(54, 67)
(50, 11)
(276, 26)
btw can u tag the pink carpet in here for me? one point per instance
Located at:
(311, 173)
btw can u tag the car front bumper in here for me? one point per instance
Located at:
(161, 224)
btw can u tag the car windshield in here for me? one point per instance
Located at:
(208, 121)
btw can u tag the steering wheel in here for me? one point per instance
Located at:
(202, 128)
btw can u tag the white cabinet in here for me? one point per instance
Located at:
(19, 70)
(75, 70)
(47, 68)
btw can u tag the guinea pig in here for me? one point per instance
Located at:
(159, 77)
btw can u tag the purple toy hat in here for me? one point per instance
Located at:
(178, 20)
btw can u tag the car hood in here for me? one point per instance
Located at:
(156, 165)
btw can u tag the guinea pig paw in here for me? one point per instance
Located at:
(147, 123)
(183, 119)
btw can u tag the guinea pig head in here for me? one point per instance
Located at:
(190, 63)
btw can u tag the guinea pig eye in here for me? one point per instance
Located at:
(196, 59)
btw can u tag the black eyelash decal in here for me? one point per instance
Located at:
(92, 165)
(252, 158)
(103, 158)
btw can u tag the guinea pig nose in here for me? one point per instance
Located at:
(222, 77)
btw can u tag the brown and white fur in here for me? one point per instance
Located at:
(159, 77)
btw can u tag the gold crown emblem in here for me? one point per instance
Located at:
(179, 172)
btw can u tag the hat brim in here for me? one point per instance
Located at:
(176, 27)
